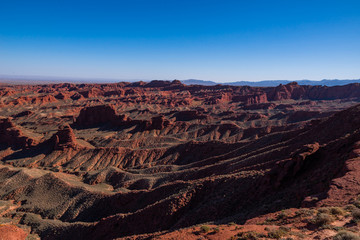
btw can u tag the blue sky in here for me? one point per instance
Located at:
(180, 39)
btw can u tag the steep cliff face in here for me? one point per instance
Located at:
(96, 115)
(289, 91)
(12, 136)
(64, 138)
(255, 98)
(295, 91)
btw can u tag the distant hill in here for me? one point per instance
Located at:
(198, 82)
(12, 79)
(273, 83)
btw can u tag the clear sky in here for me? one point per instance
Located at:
(219, 40)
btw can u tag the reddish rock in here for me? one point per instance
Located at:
(259, 106)
(38, 100)
(189, 116)
(12, 232)
(251, 98)
(117, 92)
(64, 138)
(77, 96)
(6, 92)
(62, 96)
(288, 91)
(91, 93)
(158, 123)
(150, 174)
(12, 136)
(24, 114)
(164, 84)
(96, 115)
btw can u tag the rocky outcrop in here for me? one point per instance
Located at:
(288, 91)
(24, 114)
(106, 114)
(62, 96)
(167, 85)
(38, 100)
(64, 138)
(158, 123)
(7, 92)
(251, 98)
(97, 115)
(190, 115)
(259, 106)
(91, 93)
(77, 96)
(12, 136)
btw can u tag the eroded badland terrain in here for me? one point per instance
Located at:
(163, 160)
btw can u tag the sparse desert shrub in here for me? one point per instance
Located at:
(249, 236)
(216, 229)
(346, 235)
(350, 207)
(267, 221)
(356, 215)
(231, 224)
(332, 210)
(324, 210)
(285, 229)
(282, 215)
(357, 203)
(305, 212)
(278, 233)
(336, 211)
(205, 228)
(322, 219)
(298, 235)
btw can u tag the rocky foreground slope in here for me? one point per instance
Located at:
(149, 160)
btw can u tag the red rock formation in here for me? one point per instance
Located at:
(118, 92)
(91, 93)
(260, 106)
(158, 123)
(24, 114)
(64, 138)
(165, 84)
(77, 96)
(96, 115)
(6, 92)
(288, 91)
(106, 114)
(189, 116)
(62, 96)
(251, 98)
(150, 173)
(35, 100)
(11, 136)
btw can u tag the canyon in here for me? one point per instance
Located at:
(161, 159)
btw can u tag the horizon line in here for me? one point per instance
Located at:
(43, 78)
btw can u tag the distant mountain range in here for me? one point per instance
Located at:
(13, 79)
(273, 83)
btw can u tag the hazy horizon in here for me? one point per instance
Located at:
(28, 79)
(207, 40)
